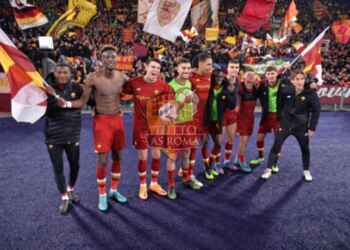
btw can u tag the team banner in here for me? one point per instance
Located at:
(79, 14)
(200, 14)
(27, 15)
(142, 10)
(261, 67)
(211, 34)
(166, 17)
(214, 9)
(331, 94)
(125, 63)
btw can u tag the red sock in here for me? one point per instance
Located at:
(171, 178)
(101, 172)
(142, 171)
(185, 174)
(205, 154)
(260, 146)
(155, 169)
(228, 151)
(241, 158)
(216, 153)
(115, 175)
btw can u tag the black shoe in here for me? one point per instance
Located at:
(73, 197)
(64, 207)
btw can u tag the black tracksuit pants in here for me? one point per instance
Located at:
(303, 139)
(56, 155)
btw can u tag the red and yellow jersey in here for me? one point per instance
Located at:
(147, 97)
(201, 86)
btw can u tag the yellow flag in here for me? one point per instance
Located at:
(241, 34)
(62, 23)
(211, 34)
(108, 4)
(79, 14)
(231, 40)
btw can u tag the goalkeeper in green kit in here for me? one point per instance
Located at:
(181, 135)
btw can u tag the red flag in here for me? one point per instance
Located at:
(255, 15)
(28, 98)
(341, 30)
(27, 15)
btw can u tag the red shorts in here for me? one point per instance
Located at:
(269, 124)
(245, 125)
(230, 117)
(108, 133)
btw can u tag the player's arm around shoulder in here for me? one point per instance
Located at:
(127, 89)
(86, 92)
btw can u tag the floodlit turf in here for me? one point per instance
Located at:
(237, 211)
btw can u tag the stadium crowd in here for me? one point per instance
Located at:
(110, 27)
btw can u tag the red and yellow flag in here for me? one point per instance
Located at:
(289, 23)
(28, 97)
(312, 57)
(27, 15)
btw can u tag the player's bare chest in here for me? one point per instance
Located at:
(108, 87)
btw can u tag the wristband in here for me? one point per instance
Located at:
(69, 105)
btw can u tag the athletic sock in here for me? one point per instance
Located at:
(205, 156)
(228, 151)
(155, 170)
(241, 158)
(260, 146)
(171, 178)
(101, 173)
(142, 171)
(115, 175)
(192, 161)
(186, 174)
(215, 155)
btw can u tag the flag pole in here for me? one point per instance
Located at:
(309, 46)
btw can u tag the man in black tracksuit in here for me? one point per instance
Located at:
(298, 112)
(62, 133)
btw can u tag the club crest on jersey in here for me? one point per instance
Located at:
(73, 94)
(156, 92)
(302, 98)
(138, 89)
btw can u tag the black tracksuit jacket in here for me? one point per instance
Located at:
(297, 112)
